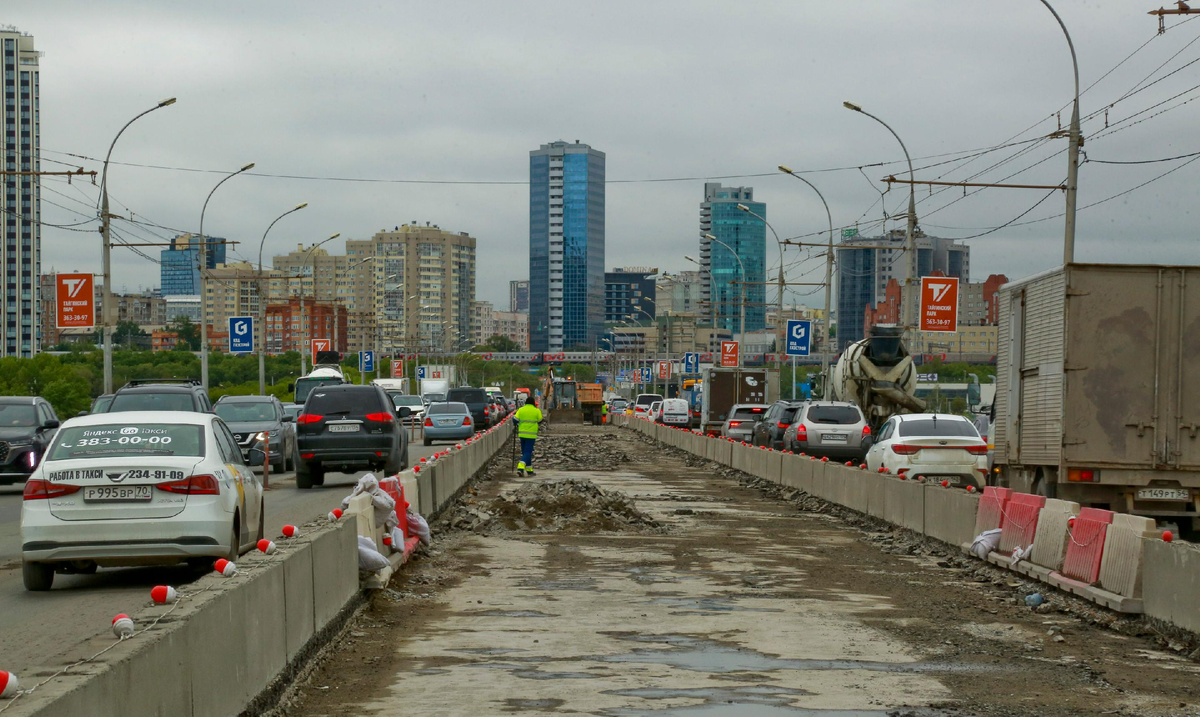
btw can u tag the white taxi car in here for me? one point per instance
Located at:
(935, 446)
(138, 488)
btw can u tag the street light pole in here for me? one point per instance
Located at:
(1076, 140)
(742, 271)
(910, 302)
(262, 304)
(203, 285)
(107, 308)
(825, 352)
(303, 333)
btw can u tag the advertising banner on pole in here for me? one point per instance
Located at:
(397, 368)
(729, 354)
(75, 301)
(939, 303)
(799, 337)
(664, 370)
(319, 345)
(241, 334)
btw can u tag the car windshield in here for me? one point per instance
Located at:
(234, 412)
(13, 414)
(144, 401)
(434, 397)
(453, 408)
(938, 427)
(788, 414)
(405, 400)
(744, 412)
(350, 400)
(304, 386)
(293, 409)
(101, 404)
(836, 415)
(620, 404)
(648, 399)
(157, 439)
(467, 395)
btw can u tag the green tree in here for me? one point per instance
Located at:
(502, 344)
(189, 334)
(67, 387)
(125, 331)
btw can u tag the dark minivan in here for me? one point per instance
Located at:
(478, 402)
(348, 427)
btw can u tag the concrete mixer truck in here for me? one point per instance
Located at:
(877, 375)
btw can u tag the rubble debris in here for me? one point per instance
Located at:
(592, 452)
(566, 505)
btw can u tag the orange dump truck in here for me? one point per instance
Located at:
(590, 398)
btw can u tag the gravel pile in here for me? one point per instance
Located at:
(570, 506)
(597, 452)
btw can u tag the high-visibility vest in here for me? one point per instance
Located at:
(528, 417)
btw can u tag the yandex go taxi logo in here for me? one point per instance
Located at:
(939, 303)
(74, 301)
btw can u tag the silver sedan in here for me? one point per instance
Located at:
(448, 421)
(740, 424)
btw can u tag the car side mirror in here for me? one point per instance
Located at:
(403, 411)
(287, 418)
(52, 423)
(82, 413)
(255, 457)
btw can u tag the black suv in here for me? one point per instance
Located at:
(161, 394)
(27, 426)
(770, 429)
(249, 417)
(346, 427)
(478, 403)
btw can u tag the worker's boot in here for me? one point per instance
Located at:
(521, 468)
(529, 471)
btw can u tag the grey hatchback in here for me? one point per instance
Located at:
(833, 429)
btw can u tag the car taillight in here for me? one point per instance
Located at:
(380, 417)
(428, 422)
(192, 485)
(866, 431)
(38, 489)
(980, 450)
(801, 433)
(734, 424)
(1081, 475)
(308, 418)
(781, 424)
(466, 420)
(904, 449)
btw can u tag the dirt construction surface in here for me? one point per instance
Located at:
(662, 586)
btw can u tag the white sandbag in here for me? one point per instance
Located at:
(418, 527)
(985, 543)
(397, 540)
(369, 557)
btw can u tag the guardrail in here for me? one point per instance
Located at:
(1115, 560)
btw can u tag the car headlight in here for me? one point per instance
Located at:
(262, 436)
(20, 441)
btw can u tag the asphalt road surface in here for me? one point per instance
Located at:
(38, 629)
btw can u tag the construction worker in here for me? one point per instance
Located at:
(603, 414)
(528, 419)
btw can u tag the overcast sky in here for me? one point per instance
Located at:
(456, 91)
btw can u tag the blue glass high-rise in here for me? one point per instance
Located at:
(180, 264)
(746, 235)
(566, 246)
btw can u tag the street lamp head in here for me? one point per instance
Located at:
(167, 102)
(247, 168)
(852, 106)
(743, 208)
(335, 236)
(785, 169)
(300, 206)
(685, 256)
(710, 237)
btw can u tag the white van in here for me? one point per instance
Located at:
(391, 384)
(675, 412)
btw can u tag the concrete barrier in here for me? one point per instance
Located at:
(795, 472)
(822, 486)
(1121, 564)
(991, 508)
(774, 467)
(854, 487)
(223, 644)
(950, 514)
(1019, 522)
(1171, 582)
(1050, 538)
(904, 502)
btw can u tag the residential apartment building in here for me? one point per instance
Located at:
(232, 290)
(727, 281)
(629, 294)
(411, 289)
(21, 248)
(566, 246)
(286, 331)
(680, 335)
(866, 264)
(518, 295)
(680, 293)
(179, 264)
(486, 322)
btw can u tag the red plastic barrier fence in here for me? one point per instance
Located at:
(991, 508)
(392, 487)
(1020, 521)
(1085, 545)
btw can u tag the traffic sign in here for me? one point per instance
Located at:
(691, 362)
(848, 233)
(319, 345)
(729, 353)
(799, 337)
(397, 368)
(75, 298)
(664, 370)
(646, 374)
(939, 303)
(241, 334)
(420, 372)
(366, 361)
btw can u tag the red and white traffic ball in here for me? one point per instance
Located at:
(1168, 536)
(122, 626)
(335, 515)
(266, 546)
(227, 568)
(8, 685)
(290, 531)
(163, 594)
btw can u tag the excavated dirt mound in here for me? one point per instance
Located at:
(597, 452)
(570, 506)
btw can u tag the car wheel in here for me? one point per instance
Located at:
(262, 522)
(304, 476)
(428, 442)
(404, 462)
(198, 564)
(318, 475)
(235, 542)
(392, 467)
(38, 577)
